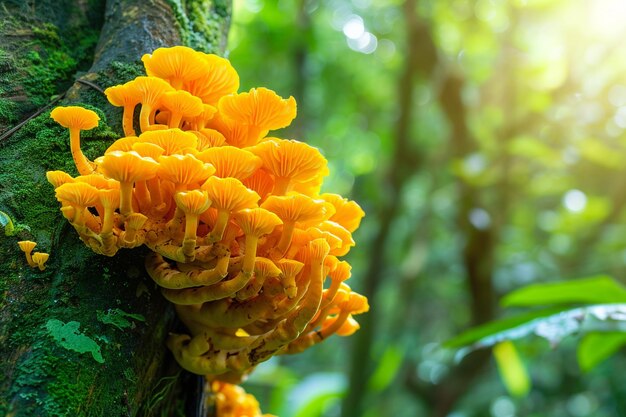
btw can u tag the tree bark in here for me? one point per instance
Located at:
(113, 364)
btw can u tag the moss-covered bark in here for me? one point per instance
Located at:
(86, 336)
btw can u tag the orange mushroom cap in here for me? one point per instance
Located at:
(98, 181)
(342, 233)
(265, 267)
(261, 182)
(127, 167)
(176, 64)
(184, 169)
(173, 141)
(260, 107)
(236, 134)
(230, 161)
(209, 138)
(57, 178)
(256, 221)
(149, 150)
(124, 144)
(40, 259)
(26, 246)
(347, 213)
(298, 208)
(192, 202)
(110, 198)
(230, 194)
(78, 194)
(123, 95)
(151, 89)
(75, 117)
(290, 159)
(219, 80)
(182, 102)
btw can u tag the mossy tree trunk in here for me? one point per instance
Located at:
(84, 337)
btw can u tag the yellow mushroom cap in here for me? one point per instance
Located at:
(347, 213)
(256, 221)
(124, 144)
(40, 258)
(290, 159)
(149, 150)
(182, 102)
(110, 198)
(342, 233)
(342, 271)
(151, 89)
(172, 141)
(355, 304)
(123, 95)
(98, 181)
(230, 194)
(192, 202)
(127, 167)
(348, 328)
(236, 134)
(298, 208)
(219, 80)
(209, 138)
(265, 267)
(26, 246)
(75, 117)
(230, 161)
(289, 267)
(78, 194)
(259, 107)
(334, 242)
(136, 220)
(184, 169)
(58, 178)
(176, 64)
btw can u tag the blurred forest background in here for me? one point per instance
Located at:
(485, 141)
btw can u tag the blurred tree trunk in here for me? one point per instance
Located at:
(67, 344)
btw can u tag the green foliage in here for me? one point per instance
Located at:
(118, 318)
(68, 336)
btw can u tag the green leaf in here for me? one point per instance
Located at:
(592, 290)
(477, 333)
(554, 327)
(7, 223)
(596, 347)
(511, 368)
(388, 366)
(117, 318)
(68, 336)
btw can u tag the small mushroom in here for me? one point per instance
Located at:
(27, 247)
(227, 195)
(127, 96)
(254, 223)
(76, 119)
(176, 65)
(40, 258)
(181, 105)
(127, 167)
(151, 90)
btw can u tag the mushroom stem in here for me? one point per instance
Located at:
(175, 119)
(285, 237)
(127, 120)
(29, 259)
(220, 225)
(281, 185)
(154, 188)
(83, 165)
(191, 226)
(250, 253)
(126, 198)
(144, 117)
(107, 220)
(143, 196)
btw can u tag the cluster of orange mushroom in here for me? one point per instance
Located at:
(34, 260)
(232, 401)
(243, 242)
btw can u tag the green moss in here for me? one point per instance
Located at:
(202, 24)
